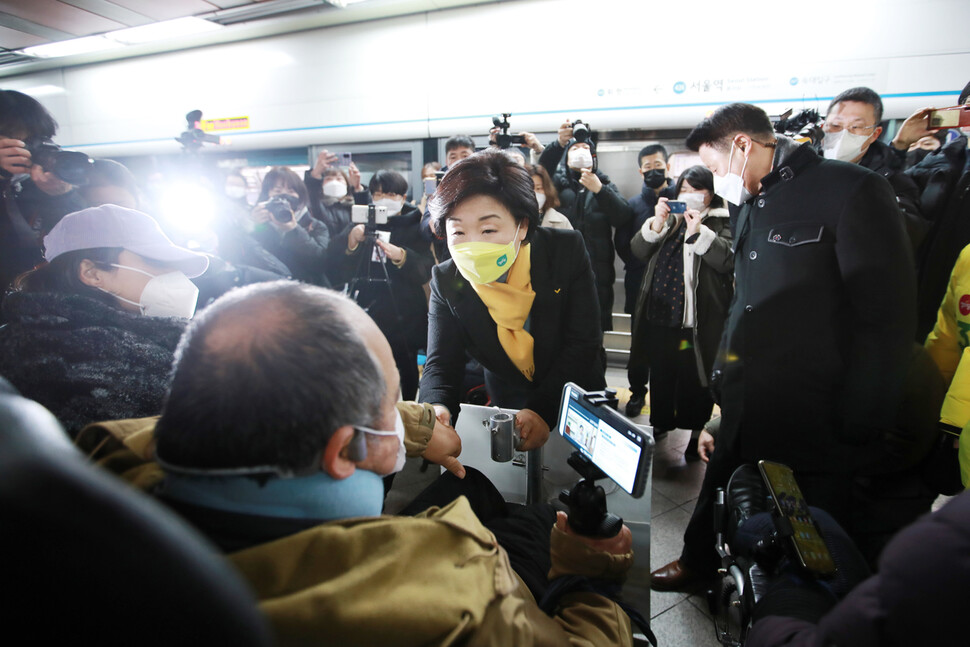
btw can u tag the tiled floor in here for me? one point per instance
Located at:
(678, 619)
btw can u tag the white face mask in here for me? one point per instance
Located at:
(694, 201)
(541, 199)
(579, 158)
(166, 295)
(334, 189)
(236, 192)
(843, 145)
(731, 186)
(393, 206)
(399, 432)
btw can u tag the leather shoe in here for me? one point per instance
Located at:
(674, 577)
(634, 407)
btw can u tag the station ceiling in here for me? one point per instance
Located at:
(105, 26)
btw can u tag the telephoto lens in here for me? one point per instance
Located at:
(580, 131)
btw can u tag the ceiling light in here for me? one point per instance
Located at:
(162, 30)
(70, 47)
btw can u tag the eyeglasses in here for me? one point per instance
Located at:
(854, 129)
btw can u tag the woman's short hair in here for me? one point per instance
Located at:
(387, 181)
(289, 179)
(699, 177)
(491, 173)
(62, 275)
(552, 196)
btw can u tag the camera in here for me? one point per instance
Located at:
(281, 208)
(71, 166)
(194, 137)
(581, 131)
(370, 216)
(805, 127)
(502, 138)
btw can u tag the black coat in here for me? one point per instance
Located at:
(84, 360)
(918, 597)
(944, 183)
(594, 215)
(642, 206)
(818, 336)
(336, 215)
(886, 161)
(713, 276)
(563, 322)
(405, 282)
(302, 249)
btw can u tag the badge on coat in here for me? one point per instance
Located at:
(965, 305)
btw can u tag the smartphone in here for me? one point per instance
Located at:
(813, 554)
(345, 159)
(610, 440)
(361, 214)
(677, 207)
(953, 117)
(430, 185)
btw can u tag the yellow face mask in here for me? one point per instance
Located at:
(481, 262)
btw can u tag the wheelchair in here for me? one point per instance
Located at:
(756, 550)
(742, 581)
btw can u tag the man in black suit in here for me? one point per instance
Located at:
(817, 340)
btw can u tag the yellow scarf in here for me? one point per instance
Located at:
(509, 305)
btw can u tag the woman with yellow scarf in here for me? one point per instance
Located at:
(518, 298)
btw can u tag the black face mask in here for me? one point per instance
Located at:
(914, 157)
(655, 178)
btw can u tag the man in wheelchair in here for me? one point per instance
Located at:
(769, 596)
(279, 426)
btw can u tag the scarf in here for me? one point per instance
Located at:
(509, 305)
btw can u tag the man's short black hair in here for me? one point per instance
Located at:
(493, 173)
(459, 141)
(965, 94)
(718, 130)
(264, 376)
(862, 95)
(651, 149)
(387, 181)
(24, 116)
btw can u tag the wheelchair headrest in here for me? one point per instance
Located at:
(107, 561)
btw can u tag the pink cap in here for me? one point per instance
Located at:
(112, 226)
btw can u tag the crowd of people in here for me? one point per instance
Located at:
(796, 284)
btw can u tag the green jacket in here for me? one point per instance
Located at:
(436, 579)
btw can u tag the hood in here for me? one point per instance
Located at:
(565, 154)
(880, 158)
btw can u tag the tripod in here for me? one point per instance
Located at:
(373, 290)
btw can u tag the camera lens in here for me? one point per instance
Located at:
(279, 207)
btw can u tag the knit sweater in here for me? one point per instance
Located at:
(85, 360)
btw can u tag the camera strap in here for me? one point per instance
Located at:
(24, 232)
